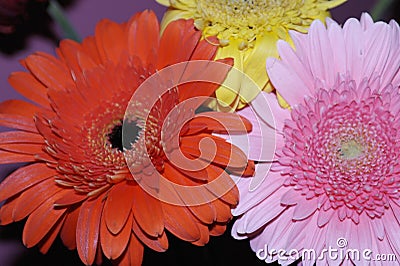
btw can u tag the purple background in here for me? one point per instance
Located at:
(84, 14)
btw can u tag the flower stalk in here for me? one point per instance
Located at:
(56, 12)
(380, 8)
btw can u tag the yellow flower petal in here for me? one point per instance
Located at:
(282, 101)
(254, 65)
(227, 94)
(183, 4)
(332, 4)
(163, 2)
(173, 15)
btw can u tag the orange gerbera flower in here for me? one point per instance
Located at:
(78, 184)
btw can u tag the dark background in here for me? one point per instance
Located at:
(39, 34)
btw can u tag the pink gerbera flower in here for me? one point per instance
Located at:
(334, 181)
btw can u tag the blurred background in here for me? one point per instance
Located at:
(39, 33)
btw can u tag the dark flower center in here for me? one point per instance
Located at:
(131, 135)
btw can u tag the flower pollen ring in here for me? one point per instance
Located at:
(145, 100)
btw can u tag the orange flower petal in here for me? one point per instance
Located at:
(68, 230)
(187, 91)
(88, 228)
(204, 212)
(133, 255)
(150, 221)
(45, 244)
(29, 87)
(217, 229)
(223, 211)
(214, 73)
(180, 221)
(191, 128)
(22, 148)
(20, 137)
(159, 243)
(225, 153)
(118, 206)
(70, 198)
(249, 171)
(90, 48)
(181, 35)
(220, 181)
(19, 107)
(11, 157)
(24, 178)
(85, 61)
(49, 70)
(204, 236)
(32, 198)
(110, 40)
(41, 221)
(224, 123)
(70, 52)
(6, 211)
(185, 166)
(204, 50)
(113, 245)
(18, 114)
(18, 122)
(144, 26)
(63, 104)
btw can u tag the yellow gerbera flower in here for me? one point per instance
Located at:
(247, 31)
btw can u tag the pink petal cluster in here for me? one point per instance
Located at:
(334, 180)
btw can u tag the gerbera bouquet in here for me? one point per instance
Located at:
(259, 120)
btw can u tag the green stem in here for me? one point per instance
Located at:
(57, 14)
(379, 9)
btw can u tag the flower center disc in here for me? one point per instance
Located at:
(344, 152)
(246, 19)
(351, 150)
(115, 136)
(238, 12)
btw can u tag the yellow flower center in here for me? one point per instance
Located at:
(351, 150)
(246, 19)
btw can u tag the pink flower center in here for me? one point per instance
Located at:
(342, 148)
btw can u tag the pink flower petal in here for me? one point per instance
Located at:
(338, 46)
(366, 21)
(392, 66)
(251, 197)
(392, 232)
(236, 229)
(271, 209)
(377, 39)
(320, 53)
(297, 65)
(291, 86)
(355, 51)
(259, 144)
(305, 208)
(291, 197)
